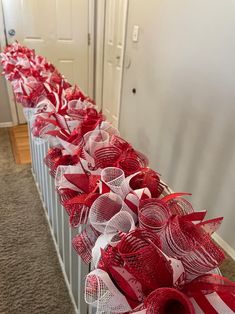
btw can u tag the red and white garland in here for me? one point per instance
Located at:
(151, 252)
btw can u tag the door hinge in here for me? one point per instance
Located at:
(89, 39)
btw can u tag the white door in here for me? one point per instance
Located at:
(115, 21)
(56, 29)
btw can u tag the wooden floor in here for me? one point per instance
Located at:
(20, 143)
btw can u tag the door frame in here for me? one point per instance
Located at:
(3, 44)
(91, 56)
(91, 48)
(99, 51)
(100, 16)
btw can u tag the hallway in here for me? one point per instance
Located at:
(30, 277)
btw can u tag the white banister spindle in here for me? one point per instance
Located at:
(40, 174)
(51, 190)
(74, 280)
(60, 235)
(58, 238)
(53, 206)
(66, 243)
(46, 179)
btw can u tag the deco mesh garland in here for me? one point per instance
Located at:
(151, 252)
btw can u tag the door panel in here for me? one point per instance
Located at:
(115, 17)
(56, 29)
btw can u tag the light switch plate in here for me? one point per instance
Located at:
(135, 34)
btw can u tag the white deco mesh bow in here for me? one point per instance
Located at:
(102, 293)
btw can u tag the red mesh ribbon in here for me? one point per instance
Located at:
(66, 194)
(85, 182)
(91, 121)
(140, 251)
(132, 161)
(213, 293)
(210, 226)
(106, 157)
(168, 301)
(192, 245)
(120, 154)
(153, 214)
(36, 76)
(55, 158)
(147, 178)
(177, 204)
(74, 93)
(63, 160)
(77, 192)
(52, 155)
(30, 97)
(113, 264)
(84, 242)
(79, 207)
(209, 283)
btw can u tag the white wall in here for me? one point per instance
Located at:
(183, 113)
(5, 112)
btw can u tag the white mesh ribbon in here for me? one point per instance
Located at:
(28, 113)
(109, 128)
(61, 182)
(45, 105)
(95, 140)
(104, 208)
(17, 86)
(74, 105)
(109, 215)
(120, 223)
(102, 293)
(140, 312)
(177, 270)
(72, 124)
(23, 62)
(153, 216)
(43, 109)
(68, 147)
(101, 243)
(113, 177)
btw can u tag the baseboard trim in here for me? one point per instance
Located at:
(6, 124)
(224, 245)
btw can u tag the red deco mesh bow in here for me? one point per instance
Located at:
(140, 251)
(120, 154)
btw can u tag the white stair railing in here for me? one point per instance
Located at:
(74, 270)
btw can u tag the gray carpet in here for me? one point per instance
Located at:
(30, 277)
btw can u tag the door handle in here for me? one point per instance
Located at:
(11, 32)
